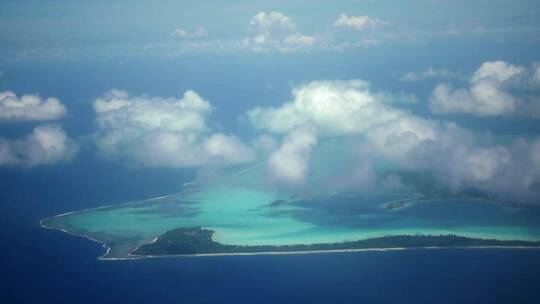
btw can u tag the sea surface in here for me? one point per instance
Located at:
(46, 266)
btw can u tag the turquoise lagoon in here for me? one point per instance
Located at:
(245, 215)
(243, 209)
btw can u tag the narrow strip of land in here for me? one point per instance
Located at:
(198, 241)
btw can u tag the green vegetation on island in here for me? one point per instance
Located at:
(197, 240)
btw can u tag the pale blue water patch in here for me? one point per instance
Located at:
(246, 216)
(240, 215)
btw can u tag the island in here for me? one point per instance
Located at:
(231, 219)
(198, 240)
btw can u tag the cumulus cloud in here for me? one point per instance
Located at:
(487, 94)
(334, 107)
(290, 163)
(181, 33)
(29, 107)
(47, 144)
(359, 23)
(169, 132)
(497, 70)
(510, 171)
(275, 31)
(457, 157)
(349, 108)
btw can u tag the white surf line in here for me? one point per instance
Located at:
(130, 256)
(137, 257)
(250, 168)
(108, 249)
(41, 222)
(155, 239)
(103, 244)
(105, 206)
(238, 173)
(417, 197)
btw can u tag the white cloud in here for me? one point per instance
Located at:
(348, 108)
(457, 157)
(47, 144)
(354, 32)
(486, 96)
(29, 107)
(289, 165)
(227, 147)
(181, 33)
(298, 41)
(334, 107)
(275, 31)
(496, 70)
(483, 99)
(509, 171)
(359, 23)
(165, 132)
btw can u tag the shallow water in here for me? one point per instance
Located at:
(244, 216)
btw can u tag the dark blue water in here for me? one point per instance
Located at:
(44, 266)
(51, 267)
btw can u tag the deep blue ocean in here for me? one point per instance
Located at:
(48, 267)
(45, 266)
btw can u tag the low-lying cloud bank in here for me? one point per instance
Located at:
(164, 132)
(458, 158)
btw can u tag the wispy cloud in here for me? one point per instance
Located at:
(429, 73)
(359, 23)
(181, 33)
